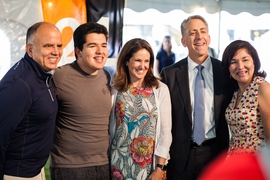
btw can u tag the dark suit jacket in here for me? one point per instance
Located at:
(177, 79)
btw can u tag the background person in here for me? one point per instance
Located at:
(28, 105)
(141, 116)
(165, 56)
(188, 158)
(248, 109)
(80, 147)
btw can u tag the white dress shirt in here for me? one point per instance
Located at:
(207, 73)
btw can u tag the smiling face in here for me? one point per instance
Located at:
(197, 40)
(242, 67)
(94, 53)
(46, 47)
(138, 66)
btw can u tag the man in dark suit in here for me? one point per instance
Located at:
(188, 158)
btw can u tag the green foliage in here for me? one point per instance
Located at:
(47, 170)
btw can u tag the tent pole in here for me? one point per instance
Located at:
(219, 25)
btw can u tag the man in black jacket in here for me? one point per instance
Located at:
(28, 105)
(188, 158)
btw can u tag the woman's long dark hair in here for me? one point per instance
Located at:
(231, 84)
(229, 53)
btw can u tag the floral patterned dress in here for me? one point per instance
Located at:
(132, 148)
(245, 121)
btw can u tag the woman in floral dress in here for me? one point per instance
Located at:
(248, 112)
(140, 124)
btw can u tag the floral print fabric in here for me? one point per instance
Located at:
(245, 121)
(133, 145)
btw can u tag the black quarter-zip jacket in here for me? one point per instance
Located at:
(28, 109)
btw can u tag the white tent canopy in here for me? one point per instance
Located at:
(254, 7)
(228, 20)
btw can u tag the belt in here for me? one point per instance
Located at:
(204, 143)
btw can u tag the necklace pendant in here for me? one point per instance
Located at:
(239, 95)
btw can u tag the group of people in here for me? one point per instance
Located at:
(133, 125)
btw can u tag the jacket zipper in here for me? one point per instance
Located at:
(47, 84)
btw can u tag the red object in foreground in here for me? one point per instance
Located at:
(236, 167)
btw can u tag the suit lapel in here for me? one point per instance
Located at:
(183, 85)
(218, 89)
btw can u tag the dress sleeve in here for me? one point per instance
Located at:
(158, 57)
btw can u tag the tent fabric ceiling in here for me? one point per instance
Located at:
(254, 7)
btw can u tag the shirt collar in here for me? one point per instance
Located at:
(207, 64)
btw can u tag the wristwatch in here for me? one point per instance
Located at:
(162, 167)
